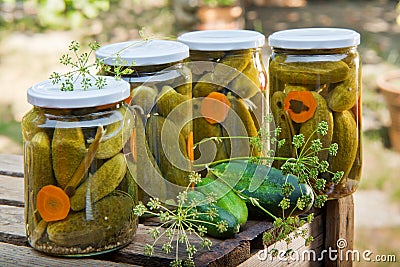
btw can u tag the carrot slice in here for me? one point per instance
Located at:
(215, 107)
(105, 106)
(128, 100)
(190, 150)
(300, 105)
(52, 203)
(133, 146)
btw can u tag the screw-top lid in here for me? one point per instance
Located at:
(46, 94)
(314, 38)
(143, 53)
(222, 40)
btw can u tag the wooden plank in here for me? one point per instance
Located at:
(11, 255)
(234, 251)
(11, 191)
(229, 252)
(12, 165)
(315, 229)
(12, 228)
(134, 252)
(339, 230)
(301, 258)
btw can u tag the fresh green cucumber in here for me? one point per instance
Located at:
(202, 219)
(226, 198)
(264, 183)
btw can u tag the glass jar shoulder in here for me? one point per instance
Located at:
(48, 119)
(220, 56)
(347, 55)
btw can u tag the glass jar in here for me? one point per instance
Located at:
(161, 90)
(315, 75)
(79, 194)
(229, 90)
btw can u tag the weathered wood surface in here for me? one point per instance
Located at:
(231, 252)
(340, 230)
(12, 255)
(261, 257)
(13, 189)
(11, 165)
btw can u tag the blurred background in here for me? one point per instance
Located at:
(35, 33)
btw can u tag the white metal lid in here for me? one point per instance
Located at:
(143, 53)
(222, 40)
(46, 94)
(314, 38)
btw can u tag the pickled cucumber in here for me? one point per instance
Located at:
(186, 87)
(110, 216)
(344, 95)
(168, 100)
(309, 72)
(237, 63)
(116, 135)
(233, 127)
(171, 153)
(248, 83)
(128, 183)
(144, 97)
(346, 136)
(206, 85)
(355, 170)
(31, 122)
(239, 106)
(102, 183)
(282, 120)
(295, 87)
(202, 129)
(39, 152)
(239, 122)
(275, 84)
(322, 113)
(149, 177)
(68, 150)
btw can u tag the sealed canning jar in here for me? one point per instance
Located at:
(79, 194)
(161, 90)
(229, 82)
(315, 76)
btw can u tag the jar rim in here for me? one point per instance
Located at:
(314, 38)
(222, 40)
(143, 53)
(48, 95)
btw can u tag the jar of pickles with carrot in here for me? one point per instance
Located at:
(315, 76)
(79, 193)
(229, 89)
(161, 91)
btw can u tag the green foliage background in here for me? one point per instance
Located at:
(100, 19)
(39, 15)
